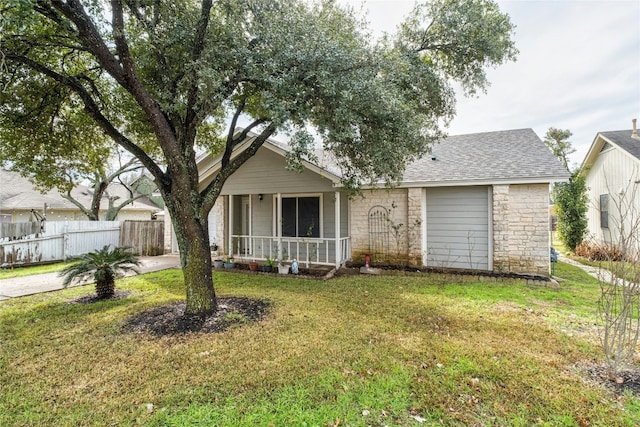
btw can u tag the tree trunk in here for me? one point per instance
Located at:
(192, 234)
(105, 283)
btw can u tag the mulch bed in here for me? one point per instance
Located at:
(626, 380)
(170, 319)
(91, 298)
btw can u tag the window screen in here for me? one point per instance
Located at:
(604, 211)
(301, 216)
(289, 217)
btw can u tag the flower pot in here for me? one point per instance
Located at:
(253, 266)
(229, 265)
(218, 263)
(266, 268)
(283, 269)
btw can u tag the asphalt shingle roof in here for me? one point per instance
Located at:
(16, 192)
(623, 139)
(491, 156)
(507, 156)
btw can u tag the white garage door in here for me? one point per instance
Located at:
(457, 231)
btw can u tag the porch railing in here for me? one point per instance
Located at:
(320, 251)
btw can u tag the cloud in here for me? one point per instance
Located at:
(578, 68)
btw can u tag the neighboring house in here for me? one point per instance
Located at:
(477, 202)
(144, 184)
(21, 202)
(612, 169)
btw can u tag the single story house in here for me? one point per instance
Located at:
(476, 202)
(612, 170)
(19, 199)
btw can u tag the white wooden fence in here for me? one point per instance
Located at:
(59, 241)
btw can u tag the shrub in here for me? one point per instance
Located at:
(103, 266)
(595, 252)
(571, 207)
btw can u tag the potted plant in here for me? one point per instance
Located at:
(267, 267)
(218, 263)
(283, 268)
(253, 265)
(229, 263)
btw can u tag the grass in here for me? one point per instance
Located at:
(9, 273)
(355, 351)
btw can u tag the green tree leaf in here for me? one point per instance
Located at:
(156, 77)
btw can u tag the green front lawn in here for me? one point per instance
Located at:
(358, 351)
(8, 273)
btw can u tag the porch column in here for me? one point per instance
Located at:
(337, 226)
(279, 224)
(230, 241)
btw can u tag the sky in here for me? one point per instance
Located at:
(578, 68)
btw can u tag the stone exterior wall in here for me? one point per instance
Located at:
(500, 222)
(520, 220)
(394, 200)
(414, 224)
(521, 228)
(219, 212)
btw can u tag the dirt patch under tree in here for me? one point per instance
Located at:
(169, 319)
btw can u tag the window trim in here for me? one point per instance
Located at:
(604, 213)
(320, 196)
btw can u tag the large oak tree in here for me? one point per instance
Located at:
(157, 76)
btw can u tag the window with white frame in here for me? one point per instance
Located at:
(301, 216)
(604, 211)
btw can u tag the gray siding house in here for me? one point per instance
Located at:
(477, 202)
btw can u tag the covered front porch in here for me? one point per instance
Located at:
(311, 228)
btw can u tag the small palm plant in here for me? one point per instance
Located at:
(104, 265)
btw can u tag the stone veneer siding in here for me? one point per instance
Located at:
(359, 217)
(500, 218)
(520, 218)
(414, 221)
(521, 228)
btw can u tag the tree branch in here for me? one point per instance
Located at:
(196, 54)
(233, 142)
(212, 191)
(123, 70)
(94, 111)
(79, 205)
(113, 211)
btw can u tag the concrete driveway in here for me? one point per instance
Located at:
(37, 283)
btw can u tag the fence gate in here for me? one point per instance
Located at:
(378, 233)
(145, 237)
